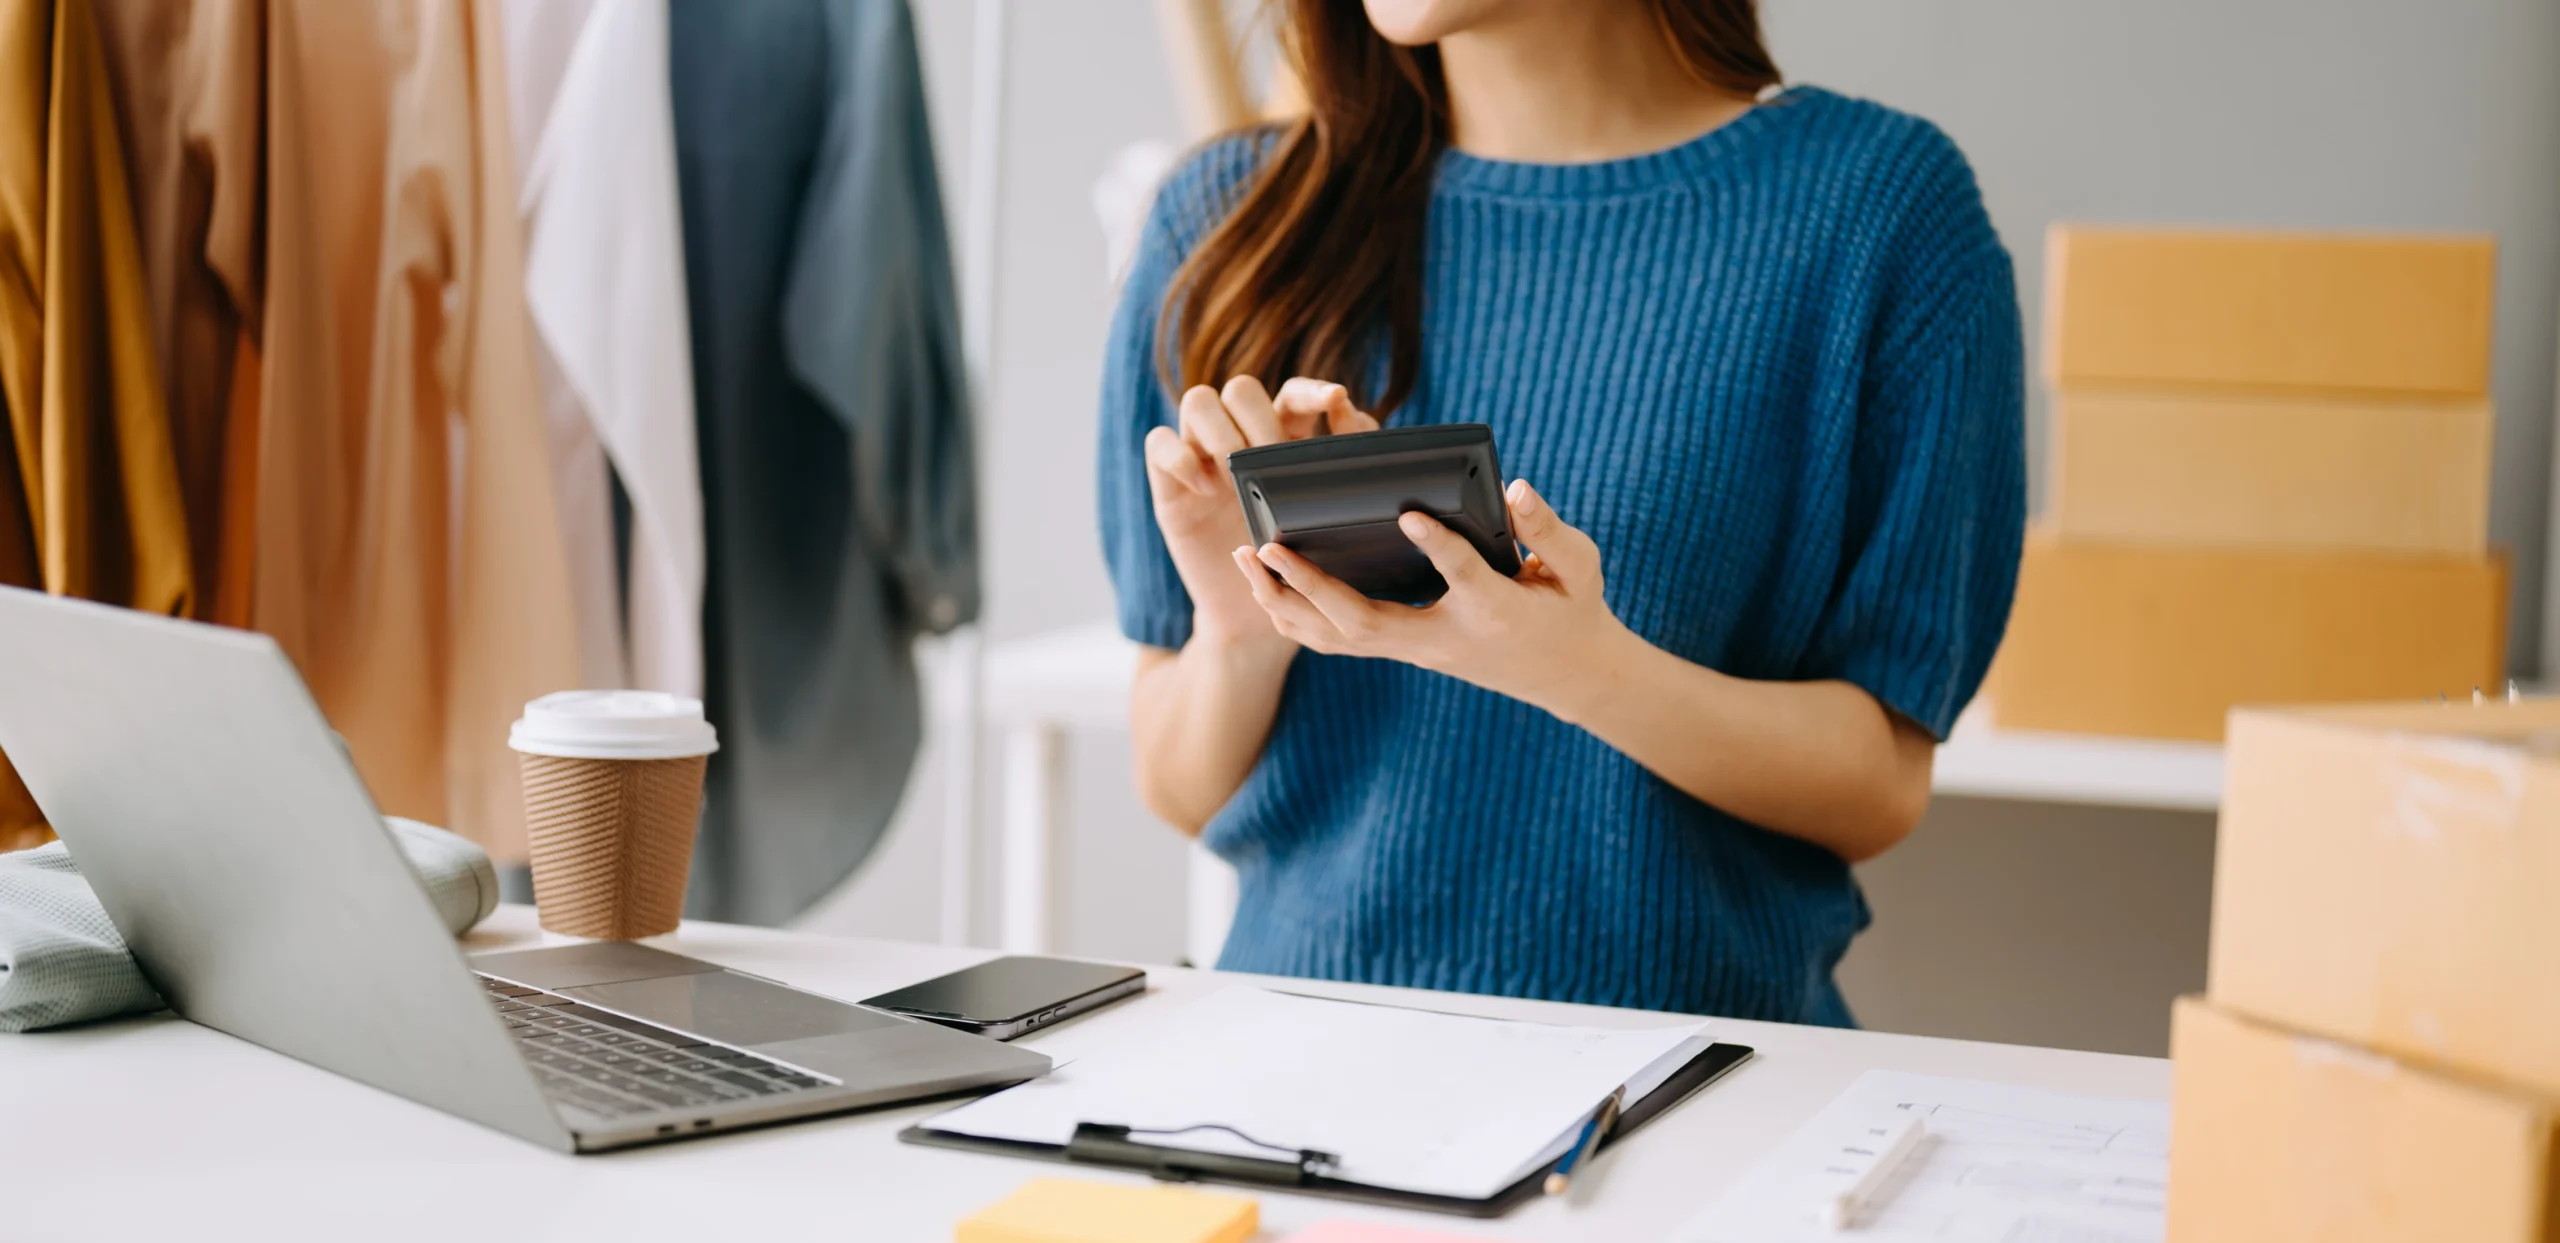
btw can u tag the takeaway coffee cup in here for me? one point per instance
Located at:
(612, 791)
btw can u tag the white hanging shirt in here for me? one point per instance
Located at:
(604, 278)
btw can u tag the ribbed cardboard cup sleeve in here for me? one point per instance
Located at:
(612, 842)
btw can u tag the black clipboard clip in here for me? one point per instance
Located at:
(1101, 1143)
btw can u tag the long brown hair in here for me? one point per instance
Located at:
(1324, 249)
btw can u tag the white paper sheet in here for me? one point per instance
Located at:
(2001, 1164)
(1407, 1099)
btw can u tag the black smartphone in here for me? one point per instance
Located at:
(1008, 997)
(1335, 500)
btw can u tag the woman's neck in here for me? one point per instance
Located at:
(1574, 84)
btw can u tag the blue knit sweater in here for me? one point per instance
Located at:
(1775, 373)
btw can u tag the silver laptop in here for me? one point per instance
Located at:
(239, 854)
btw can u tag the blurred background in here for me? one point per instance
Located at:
(2058, 892)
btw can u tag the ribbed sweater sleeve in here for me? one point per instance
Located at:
(1937, 482)
(1154, 608)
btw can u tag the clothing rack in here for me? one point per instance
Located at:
(964, 651)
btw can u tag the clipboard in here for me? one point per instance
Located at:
(1713, 1063)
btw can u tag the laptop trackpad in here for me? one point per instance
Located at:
(732, 1009)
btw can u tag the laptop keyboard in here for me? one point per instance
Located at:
(609, 1064)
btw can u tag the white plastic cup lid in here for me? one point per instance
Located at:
(614, 725)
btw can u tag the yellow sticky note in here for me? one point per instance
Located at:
(1057, 1210)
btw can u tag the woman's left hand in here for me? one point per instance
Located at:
(1545, 638)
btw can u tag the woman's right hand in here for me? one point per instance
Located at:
(1195, 496)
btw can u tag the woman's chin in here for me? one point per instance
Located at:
(1412, 23)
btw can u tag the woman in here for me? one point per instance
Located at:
(1756, 364)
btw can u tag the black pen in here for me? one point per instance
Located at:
(1110, 1144)
(1592, 1133)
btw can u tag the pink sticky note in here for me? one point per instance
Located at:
(1363, 1232)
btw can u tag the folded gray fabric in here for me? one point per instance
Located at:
(458, 874)
(61, 960)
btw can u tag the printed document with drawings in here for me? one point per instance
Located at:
(2000, 1164)
(1413, 1100)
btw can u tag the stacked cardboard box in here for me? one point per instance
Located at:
(2379, 1054)
(2270, 480)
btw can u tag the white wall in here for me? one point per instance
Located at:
(2378, 114)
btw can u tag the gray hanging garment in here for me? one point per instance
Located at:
(839, 508)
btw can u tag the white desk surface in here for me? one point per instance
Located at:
(157, 1129)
